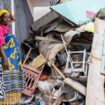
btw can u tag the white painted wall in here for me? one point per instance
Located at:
(38, 8)
(13, 12)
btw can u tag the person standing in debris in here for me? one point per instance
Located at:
(10, 60)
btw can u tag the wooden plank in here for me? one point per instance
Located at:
(46, 39)
(103, 57)
(95, 85)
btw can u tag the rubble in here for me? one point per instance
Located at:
(69, 47)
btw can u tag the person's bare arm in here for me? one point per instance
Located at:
(2, 52)
(5, 60)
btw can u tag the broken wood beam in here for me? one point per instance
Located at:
(95, 85)
(46, 39)
(74, 84)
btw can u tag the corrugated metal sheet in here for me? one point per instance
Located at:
(23, 19)
(73, 11)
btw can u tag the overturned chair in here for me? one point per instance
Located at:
(32, 73)
(76, 62)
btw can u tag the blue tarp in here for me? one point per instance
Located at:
(75, 10)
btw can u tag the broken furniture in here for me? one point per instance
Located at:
(30, 49)
(31, 75)
(76, 62)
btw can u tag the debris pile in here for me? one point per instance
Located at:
(64, 53)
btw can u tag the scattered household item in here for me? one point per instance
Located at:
(74, 84)
(45, 87)
(78, 62)
(70, 94)
(61, 59)
(39, 99)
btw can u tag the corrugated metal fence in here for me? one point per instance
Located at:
(22, 15)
